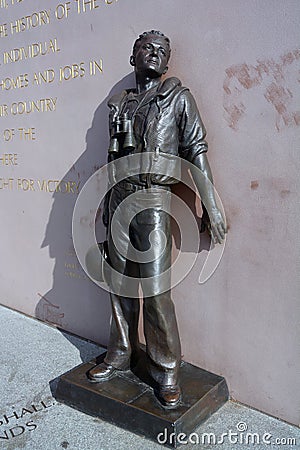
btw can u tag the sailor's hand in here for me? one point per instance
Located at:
(215, 224)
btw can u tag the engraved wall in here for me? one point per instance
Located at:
(59, 64)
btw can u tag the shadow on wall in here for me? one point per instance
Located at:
(75, 303)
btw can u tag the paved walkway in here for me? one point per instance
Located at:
(32, 354)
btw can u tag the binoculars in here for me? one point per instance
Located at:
(121, 129)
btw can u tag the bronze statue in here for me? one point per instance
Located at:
(161, 117)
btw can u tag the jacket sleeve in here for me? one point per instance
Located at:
(192, 132)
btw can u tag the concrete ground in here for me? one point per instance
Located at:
(32, 354)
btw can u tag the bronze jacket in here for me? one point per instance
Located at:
(173, 127)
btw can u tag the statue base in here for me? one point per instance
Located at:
(128, 402)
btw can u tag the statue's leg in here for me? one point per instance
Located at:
(162, 339)
(125, 309)
(160, 325)
(123, 331)
(123, 340)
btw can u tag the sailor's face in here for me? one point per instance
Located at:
(152, 56)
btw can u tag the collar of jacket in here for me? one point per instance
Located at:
(165, 89)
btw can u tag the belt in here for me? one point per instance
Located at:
(127, 186)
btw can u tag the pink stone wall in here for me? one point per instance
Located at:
(241, 61)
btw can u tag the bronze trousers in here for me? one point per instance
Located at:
(143, 224)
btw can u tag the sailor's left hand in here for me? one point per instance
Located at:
(215, 224)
